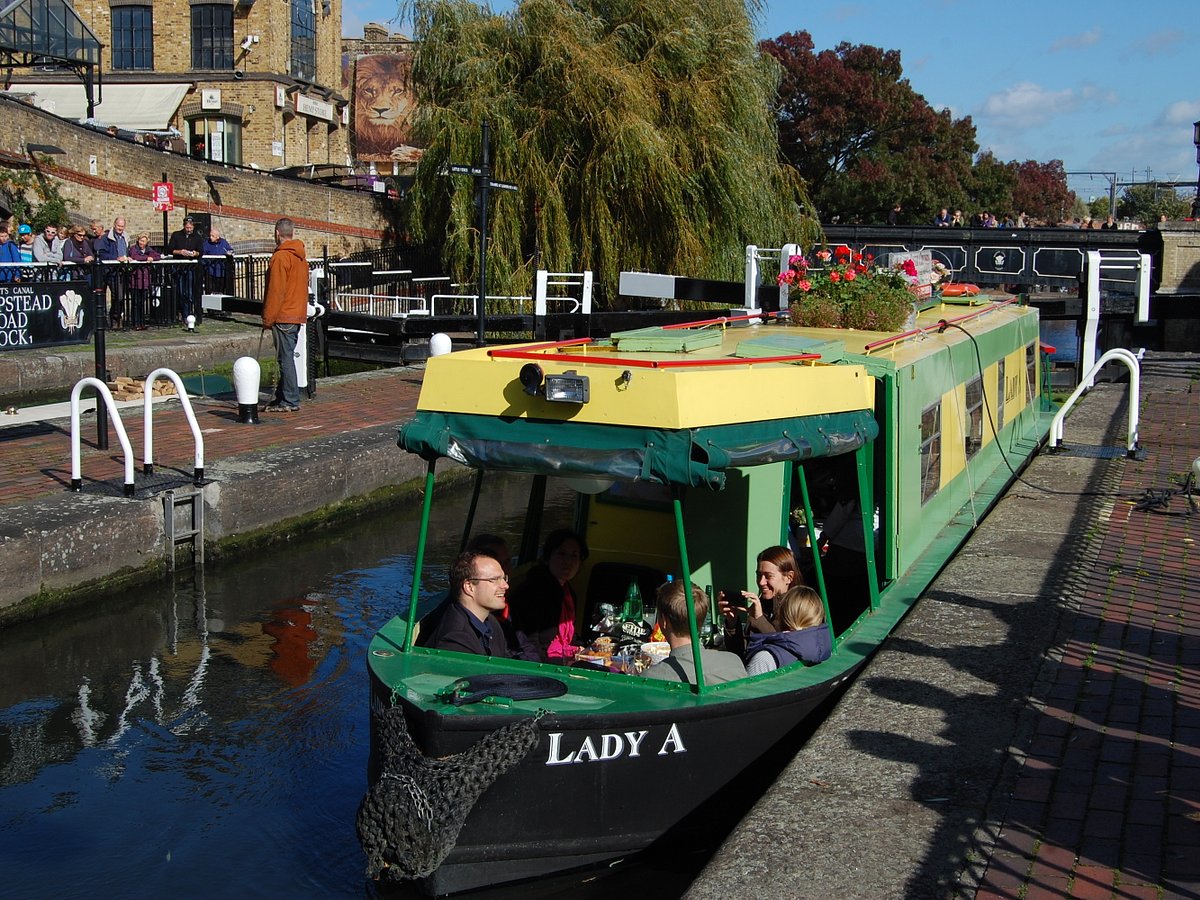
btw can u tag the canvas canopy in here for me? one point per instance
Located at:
(695, 457)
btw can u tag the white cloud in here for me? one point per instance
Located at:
(1159, 43)
(847, 11)
(1073, 41)
(1181, 112)
(1027, 104)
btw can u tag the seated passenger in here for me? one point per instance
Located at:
(718, 665)
(543, 605)
(801, 634)
(776, 573)
(468, 622)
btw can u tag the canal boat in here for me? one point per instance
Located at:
(689, 449)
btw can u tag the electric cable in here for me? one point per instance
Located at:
(942, 326)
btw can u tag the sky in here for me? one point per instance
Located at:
(1104, 86)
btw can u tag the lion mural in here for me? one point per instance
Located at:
(383, 109)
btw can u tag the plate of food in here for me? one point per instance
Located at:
(656, 650)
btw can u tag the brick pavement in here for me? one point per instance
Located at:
(35, 460)
(1107, 798)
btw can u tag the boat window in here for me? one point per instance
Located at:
(974, 437)
(931, 451)
(999, 394)
(1031, 370)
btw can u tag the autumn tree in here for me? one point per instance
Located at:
(639, 133)
(862, 138)
(1041, 190)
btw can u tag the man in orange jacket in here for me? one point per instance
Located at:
(285, 309)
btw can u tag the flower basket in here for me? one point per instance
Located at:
(848, 293)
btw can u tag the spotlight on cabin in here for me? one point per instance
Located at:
(567, 388)
(531, 378)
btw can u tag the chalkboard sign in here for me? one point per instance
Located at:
(44, 314)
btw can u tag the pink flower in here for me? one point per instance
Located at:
(823, 255)
(850, 276)
(797, 262)
(835, 277)
(804, 284)
(787, 277)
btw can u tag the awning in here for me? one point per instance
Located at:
(133, 107)
(695, 457)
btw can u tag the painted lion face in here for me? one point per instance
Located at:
(383, 104)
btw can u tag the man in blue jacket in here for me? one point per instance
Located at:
(9, 253)
(113, 246)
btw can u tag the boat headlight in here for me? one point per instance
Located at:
(567, 388)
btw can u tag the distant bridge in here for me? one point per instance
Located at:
(1027, 259)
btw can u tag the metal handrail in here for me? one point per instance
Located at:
(1133, 364)
(102, 392)
(148, 420)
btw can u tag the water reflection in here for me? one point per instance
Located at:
(210, 734)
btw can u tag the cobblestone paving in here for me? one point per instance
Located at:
(1107, 802)
(35, 460)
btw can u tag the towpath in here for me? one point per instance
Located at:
(338, 449)
(1033, 728)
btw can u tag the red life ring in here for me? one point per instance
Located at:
(960, 290)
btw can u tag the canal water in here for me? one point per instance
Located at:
(210, 736)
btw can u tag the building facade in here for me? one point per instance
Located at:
(244, 82)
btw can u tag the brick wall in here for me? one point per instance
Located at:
(124, 173)
(247, 90)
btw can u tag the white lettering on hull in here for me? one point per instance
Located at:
(609, 746)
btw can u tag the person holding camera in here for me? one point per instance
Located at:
(776, 572)
(800, 635)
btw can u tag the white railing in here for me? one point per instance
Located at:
(106, 395)
(546, 280)
(1096, 262)
(1133, 364)
(148, 422)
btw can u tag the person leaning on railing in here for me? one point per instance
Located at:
(139, 280)
(9, 253)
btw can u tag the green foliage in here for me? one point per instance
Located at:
(1098, 208)
(638, 131)
(848, 292)
(991, 186)
(33, 198)
(862, 138)
(1148, 203)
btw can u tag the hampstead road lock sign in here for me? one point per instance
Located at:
(45, 314)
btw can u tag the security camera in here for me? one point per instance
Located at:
(249, 41)
(239, 74)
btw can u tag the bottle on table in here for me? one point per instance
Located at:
(633, 625)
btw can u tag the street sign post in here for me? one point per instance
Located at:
(483, 183)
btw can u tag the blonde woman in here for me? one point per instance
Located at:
(801, 635)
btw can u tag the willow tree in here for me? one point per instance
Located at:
(640, 132)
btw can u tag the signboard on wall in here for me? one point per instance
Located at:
(210, 98)
(163, 195)
(45, 314)
(280, 96)
(317, 109)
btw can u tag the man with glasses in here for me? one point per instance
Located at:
(48, 246)
(469, 622)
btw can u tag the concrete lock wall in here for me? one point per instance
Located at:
(1181, 258)
(108, 177)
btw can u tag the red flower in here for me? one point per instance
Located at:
(842, 250)
(835, 277)
(804, 284)
(850, 276)
(857, 257)
(910, 268)
(870, 257)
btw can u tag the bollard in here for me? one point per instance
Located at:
(246, 377)
(190, 321)
(439, 344)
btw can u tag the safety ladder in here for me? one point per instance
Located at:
(188, 528)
